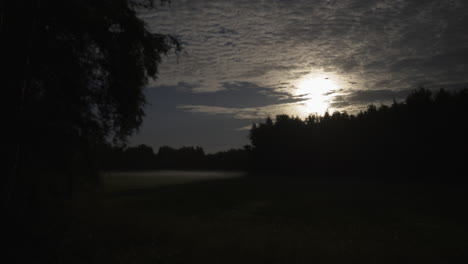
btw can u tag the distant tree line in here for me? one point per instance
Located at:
(423, 137)
(143, 157)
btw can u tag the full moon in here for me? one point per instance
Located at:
(316, 94)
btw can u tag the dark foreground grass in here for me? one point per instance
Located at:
(272, 220)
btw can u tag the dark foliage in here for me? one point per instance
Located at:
(183, 158)
(186, 158)
(76, 80)
(233, 159)
(423, 137)
(75, 73)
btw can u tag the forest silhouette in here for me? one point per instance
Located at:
(421, 138)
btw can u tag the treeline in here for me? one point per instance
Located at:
(423, 137)
(143, 157)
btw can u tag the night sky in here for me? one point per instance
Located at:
(246, 60)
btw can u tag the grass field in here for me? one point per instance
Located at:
(234, 219)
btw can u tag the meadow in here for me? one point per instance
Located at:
(215, 217)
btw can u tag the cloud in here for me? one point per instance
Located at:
(238, 94)
(356, 99)
(244, 128)
(249, 113)
(271, 42)
(249, 52)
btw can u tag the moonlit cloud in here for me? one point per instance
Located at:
(246, 57)
(399, 44)
(251, 113)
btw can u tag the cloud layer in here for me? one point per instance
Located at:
(245, 57)
(363, 44)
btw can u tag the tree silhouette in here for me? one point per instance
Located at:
(76, 78)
